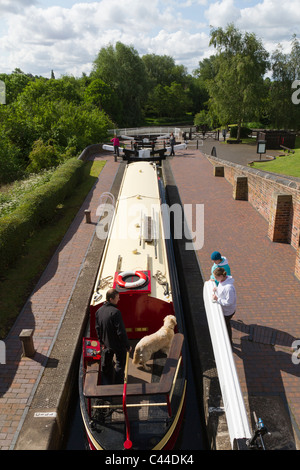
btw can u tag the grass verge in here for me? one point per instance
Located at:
(288, 165)
(18, 282)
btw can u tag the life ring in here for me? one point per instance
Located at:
(129, 285)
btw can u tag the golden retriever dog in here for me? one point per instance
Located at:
(160, 340)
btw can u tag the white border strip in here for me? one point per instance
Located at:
(237, 419)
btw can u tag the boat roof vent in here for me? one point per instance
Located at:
(148, 229)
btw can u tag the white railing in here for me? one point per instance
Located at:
(159, 130)
(236, 415)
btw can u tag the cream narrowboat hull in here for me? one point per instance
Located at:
(138, 261)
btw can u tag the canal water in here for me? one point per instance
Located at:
(192, 435)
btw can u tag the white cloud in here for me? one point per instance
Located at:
(219, 14)
(7, 6)
(68, 39)
(274, 20)
(179, 45)
(38, 38)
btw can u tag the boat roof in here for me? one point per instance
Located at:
(135, 241)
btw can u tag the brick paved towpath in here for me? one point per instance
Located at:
(268, 310)
(44, 312)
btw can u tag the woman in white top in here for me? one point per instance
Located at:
(225, 295)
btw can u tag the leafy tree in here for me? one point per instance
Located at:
(43, 90)
(10, 163)
(42, 156)
(168, 101)
(48, 110)
(79, 126)
(157, 102)
(237, 88)
(207, 70)
(178, 100)
(163, 74)
(104, 97)
(15, 84)
(199, 85)
(286, 68)
(161, 70)
(124, 71)
(18, 129)
(204, 120)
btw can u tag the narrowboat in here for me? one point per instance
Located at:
(146, 411)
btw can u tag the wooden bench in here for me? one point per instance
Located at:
(93, 390)
(287, 149)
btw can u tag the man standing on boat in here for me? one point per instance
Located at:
(112, 336)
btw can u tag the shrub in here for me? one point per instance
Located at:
(42, 156)
(10, 165)
(36, 208)
(11, 199)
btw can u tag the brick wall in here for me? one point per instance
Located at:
(275, 197)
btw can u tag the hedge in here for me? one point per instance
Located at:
(37, 208)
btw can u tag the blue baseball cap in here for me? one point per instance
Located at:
(216, 255)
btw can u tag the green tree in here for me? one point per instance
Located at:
(11, 166)
(79, 125)
(207, 69)
(199, 92)
(283, 112)
(204, 120)
(42, 156)
(168, 101)
(48, 110)
(162, 70)
(163, 74)
(15, 84)
(124, 71)
(237, 89)
(178, 100)
(104, 97)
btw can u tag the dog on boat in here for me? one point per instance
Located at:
(161, 340)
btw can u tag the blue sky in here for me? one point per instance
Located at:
(65, 36)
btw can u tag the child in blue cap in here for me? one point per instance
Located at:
(219, 262)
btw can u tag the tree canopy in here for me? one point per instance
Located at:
(286, 69)
(236, 89)
(45, 121)
(237, 84)
(124, 71)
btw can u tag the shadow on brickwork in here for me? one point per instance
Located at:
(267, 356)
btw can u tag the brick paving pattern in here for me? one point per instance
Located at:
(267, 320)
(44, 312)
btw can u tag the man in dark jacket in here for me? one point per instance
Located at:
(112, 335)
